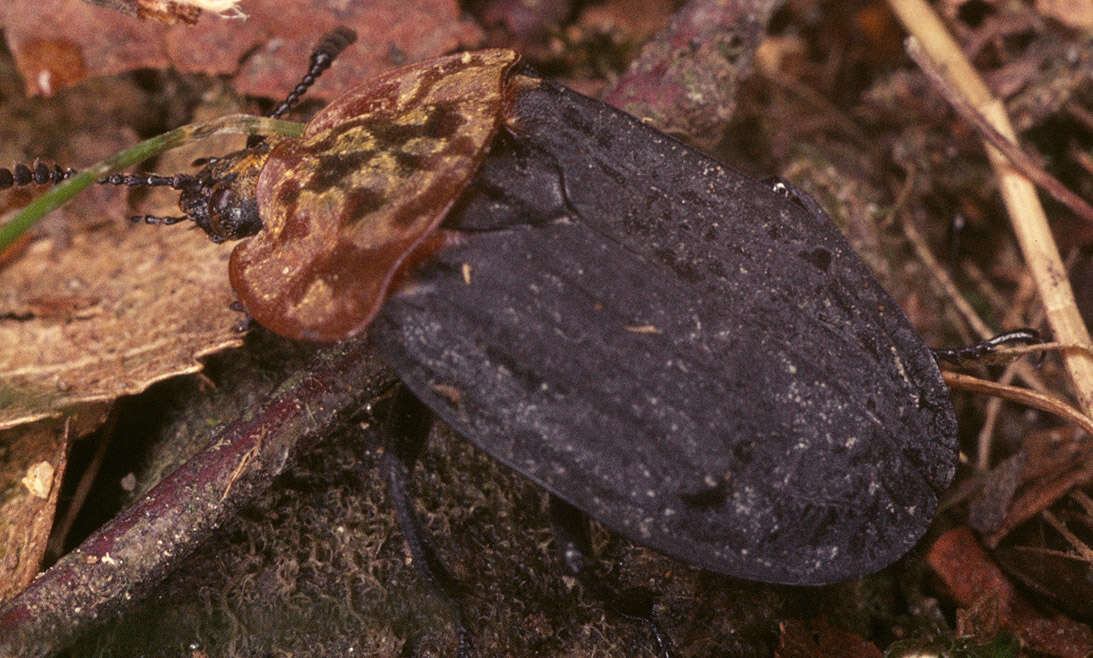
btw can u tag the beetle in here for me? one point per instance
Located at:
(695, 358)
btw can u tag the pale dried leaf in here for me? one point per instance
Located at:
(35, 455)
(108, 316)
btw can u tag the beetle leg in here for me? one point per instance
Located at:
(977, 351)
(407, 431)
(246, 322)
(571, 536)
(155, 219)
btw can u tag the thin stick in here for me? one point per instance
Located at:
(127, 558)
(984, 441)
(923, 253)
(1021, 160)
(1041, 401)
(1083, 549)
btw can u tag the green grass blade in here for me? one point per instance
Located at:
(59, 195)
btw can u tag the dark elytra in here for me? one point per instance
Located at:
(695, 358)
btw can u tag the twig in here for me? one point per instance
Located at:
(1041, 401)
(125, 559)
(1075, 542)
(685, 79)
(923, 253)
(985, 439)
(63, 525)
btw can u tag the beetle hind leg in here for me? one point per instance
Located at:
(407, 431)
(571, 536)
(984, 348)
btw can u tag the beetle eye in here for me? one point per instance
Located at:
(220, 205)
(221, 200)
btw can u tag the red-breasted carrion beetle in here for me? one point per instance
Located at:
(694, 358)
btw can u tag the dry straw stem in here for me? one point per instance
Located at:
(931, 40)
(1041, 401)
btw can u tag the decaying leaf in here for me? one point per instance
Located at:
(32, 464)
(60, 42)
(107, 317)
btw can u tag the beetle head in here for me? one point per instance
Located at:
(220, 198)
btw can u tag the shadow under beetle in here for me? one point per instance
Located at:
(694, 358)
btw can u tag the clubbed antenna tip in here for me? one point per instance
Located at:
(40, 174)
(329, 47)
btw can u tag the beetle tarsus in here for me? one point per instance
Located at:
(177, 182)
(976, 351)
(246, 323)
(155, 219)
(571, 537)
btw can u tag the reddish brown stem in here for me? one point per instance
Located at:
(125, 559)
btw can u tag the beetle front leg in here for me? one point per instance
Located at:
(571, 536)
(407, 431)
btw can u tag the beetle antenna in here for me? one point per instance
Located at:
(39, 174)
(177, 182)
(155, 219)
(329, 47)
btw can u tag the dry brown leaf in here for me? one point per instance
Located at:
(991, 602)
(819, 637)
(167, 11)
(85, 308)
(34, 457)
(108, 316)
(60, 42)
(57, 43)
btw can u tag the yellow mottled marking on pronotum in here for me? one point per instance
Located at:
(372, 177)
